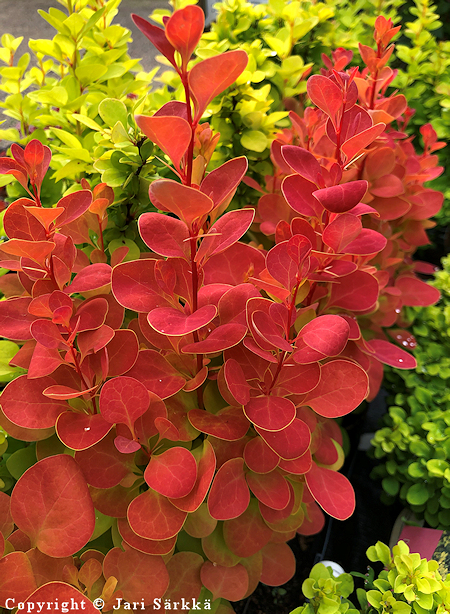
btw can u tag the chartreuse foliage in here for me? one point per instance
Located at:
(408, 584)
(425, 79)
(79, 96)
(178, 402)
(414, 444)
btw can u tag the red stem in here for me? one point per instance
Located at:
(288, 334)
(193, 125)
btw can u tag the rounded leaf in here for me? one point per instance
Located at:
(61, 520)
(172, 473)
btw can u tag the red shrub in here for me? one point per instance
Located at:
(202, 423)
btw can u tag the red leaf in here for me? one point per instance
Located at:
(157, 37)
(291, 442)
(314, 520)
(90, 315)
(123, 350)
(361, 140)
(81, 431)
(298, 379)
(298, 466)
(368, 242)
(19, 223)
(278, 564)
(206, 465)
(229, 495)
(134, 286)
(147, 546)
(234, 265)
(15, 320)
(227, 582)
(259, 457)
(125, 445)
(103, 466)
(153, 516)
(387, 186)
(185, 202)
(269, 488)
(212, 76)
(229, 423)
(74, 206)
(35, 250)
(355, 292)
(184, 29)
(341, 198)
(47, 334)
(172, 322)
(270, 413)
(332, 491)
(225, 232)
(221, 338)
(16, 578)
(298, 192)
(343, 386)
(157, 375)
(21, 433)
(184, 572)
(302, 162)
(24, 404)
(327, 334)
(222, 182)
(172, 473)
(133, 569)
(113, 501)
(160, 130)
(233, 303)
(342, 231)
(61, 520)
(269, 331)
(281, 266)
(326, 95)
(92, 277)
(165, 235)
(236, 382)
(416, 293)
(247, 534)
(92, 341)
(391, 354)
(123, 400)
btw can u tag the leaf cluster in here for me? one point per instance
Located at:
(408, 584)
(414, 443)
(180, 391)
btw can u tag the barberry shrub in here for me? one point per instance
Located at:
(345, 151)
(184, 401)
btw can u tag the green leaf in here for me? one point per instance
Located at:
(417, 494)
(87, 121)
(391, 486)
(437, 467)
(21, 460)
(89, 73)
(66, 137)
(112, 111)
(254, 140)
(102, 524)
(133, 250)
(71, 169)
